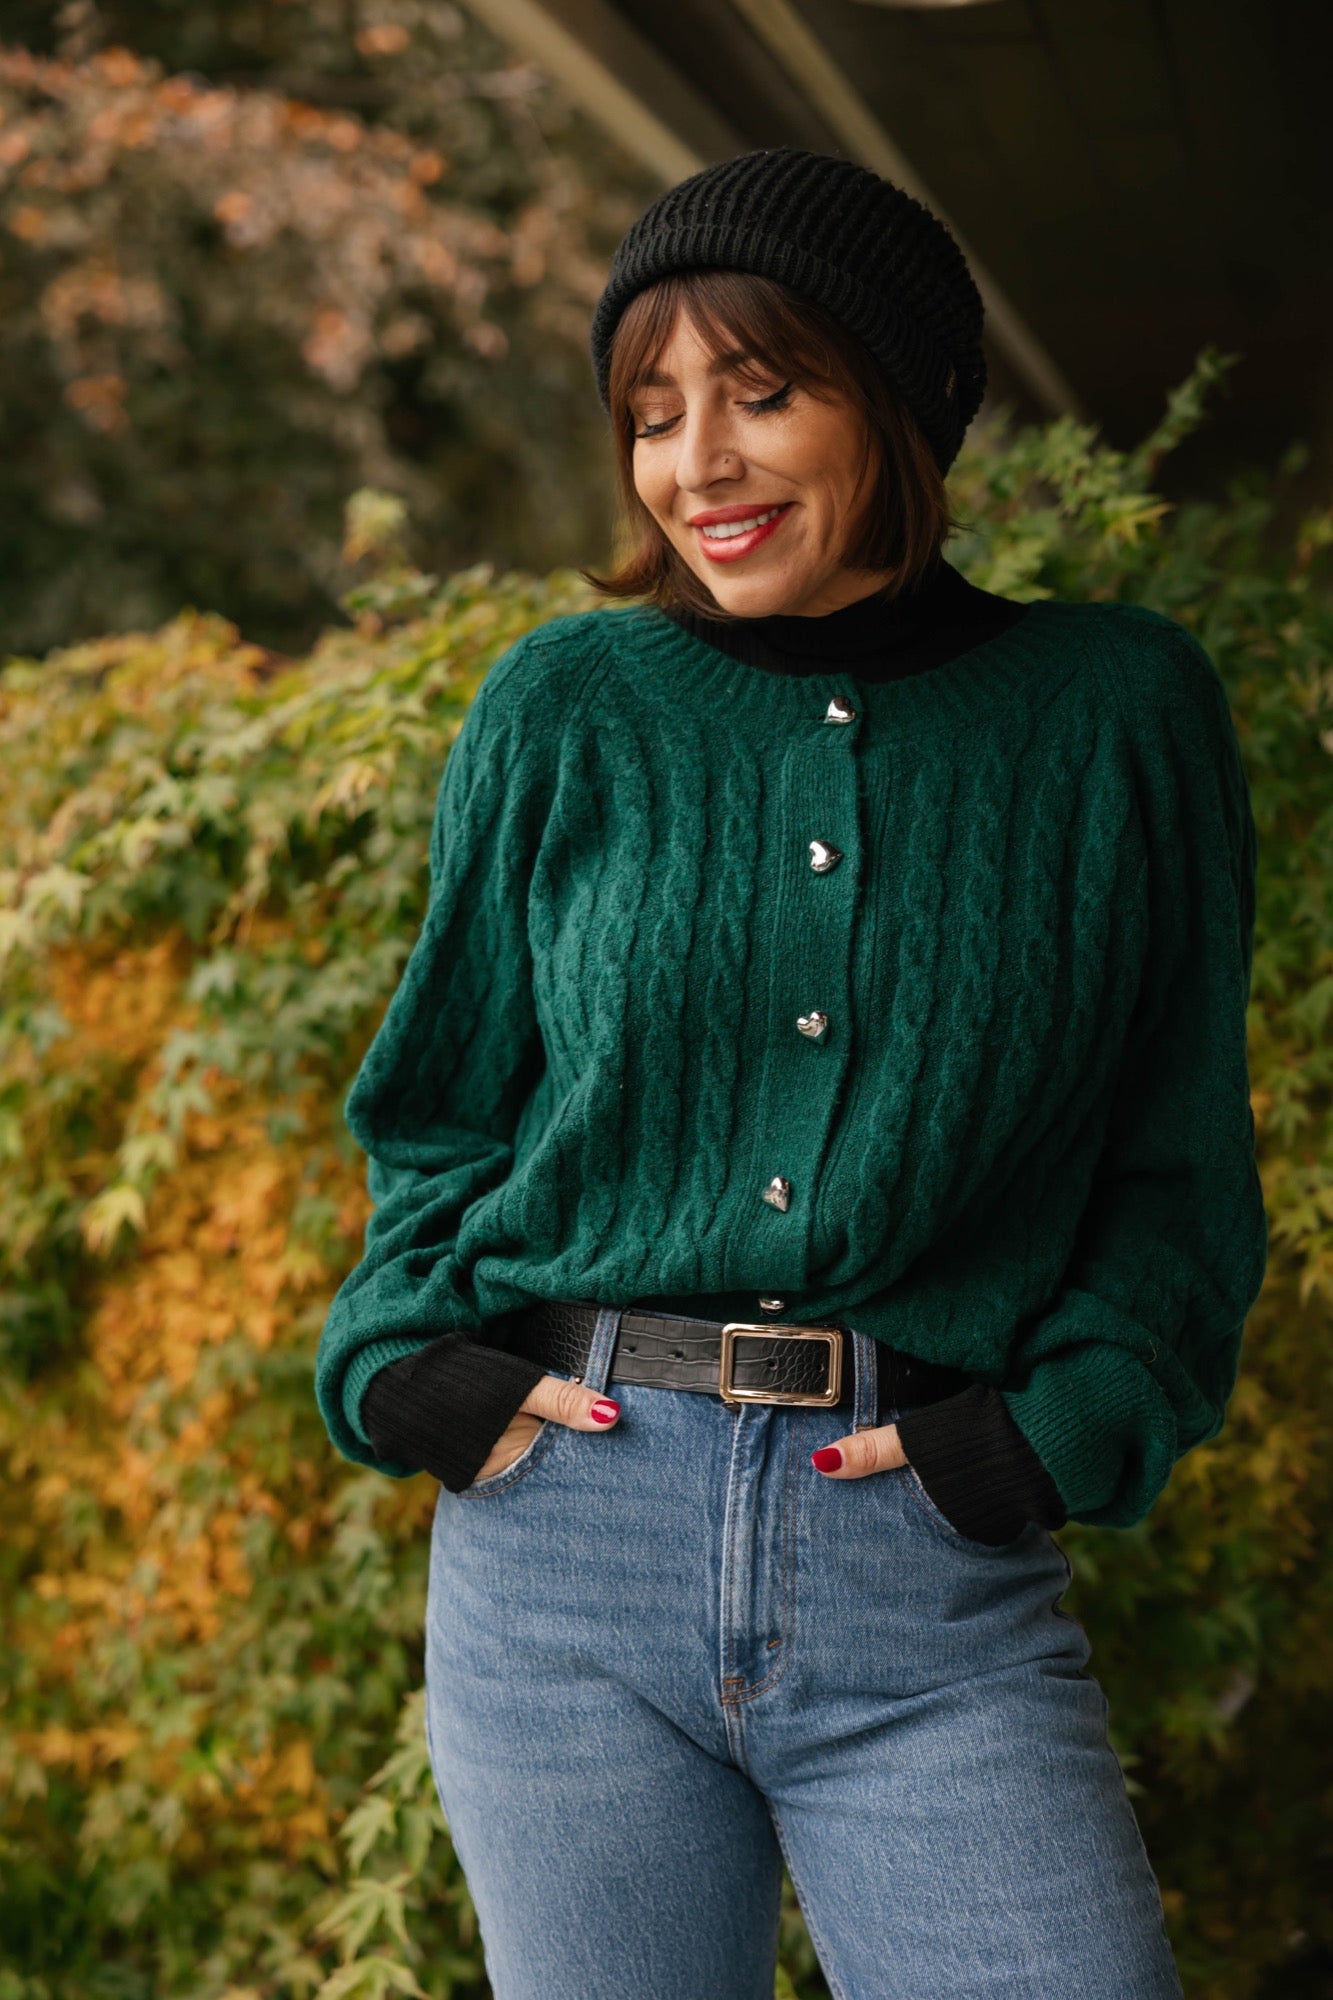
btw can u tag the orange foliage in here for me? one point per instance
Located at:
(216, 1261)
(349, 196)
(117, 1006)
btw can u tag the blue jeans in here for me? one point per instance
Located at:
(662, 1660)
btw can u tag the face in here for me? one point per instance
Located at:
(715, 448)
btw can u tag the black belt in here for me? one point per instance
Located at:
(742, 1361)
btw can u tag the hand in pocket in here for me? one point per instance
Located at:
(554, 1400)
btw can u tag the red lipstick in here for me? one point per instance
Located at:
(730, 548)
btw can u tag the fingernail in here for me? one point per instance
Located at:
(604, 1412)
(827, 1459)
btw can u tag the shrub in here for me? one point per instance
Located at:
(212, 868)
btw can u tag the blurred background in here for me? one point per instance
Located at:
(298, 434)
(256, 256)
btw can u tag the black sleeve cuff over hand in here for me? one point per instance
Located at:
(978, 1468)
(442, 1408)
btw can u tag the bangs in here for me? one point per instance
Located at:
(732, 313)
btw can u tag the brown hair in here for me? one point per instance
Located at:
(907, 519)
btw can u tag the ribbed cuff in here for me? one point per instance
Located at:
(442, 1408)
(978, 1468)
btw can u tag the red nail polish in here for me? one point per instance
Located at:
(604, 1412)
(827, 1459)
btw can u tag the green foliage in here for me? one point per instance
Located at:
(212, 867)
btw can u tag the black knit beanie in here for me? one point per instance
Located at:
(872, 255)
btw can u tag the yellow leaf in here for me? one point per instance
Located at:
(119, 1206)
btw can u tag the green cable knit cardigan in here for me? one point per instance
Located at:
(1020, 886)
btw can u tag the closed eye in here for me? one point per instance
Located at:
(777, 401)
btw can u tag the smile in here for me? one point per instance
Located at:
(727, 528)
(728, 541)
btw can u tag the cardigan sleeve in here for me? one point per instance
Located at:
(1135, 1360)
(436, 1100)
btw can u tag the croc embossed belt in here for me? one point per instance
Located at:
(740, 1361)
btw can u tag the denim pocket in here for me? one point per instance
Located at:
(531, 1455)
(925, 1505)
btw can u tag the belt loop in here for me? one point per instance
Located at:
(866, 1413)
(601, 1348)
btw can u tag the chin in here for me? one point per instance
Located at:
(755, 599)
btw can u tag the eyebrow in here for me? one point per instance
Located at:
(735, 357)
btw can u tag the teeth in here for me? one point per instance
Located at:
(722, 530)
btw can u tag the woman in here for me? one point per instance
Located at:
(812, 1158)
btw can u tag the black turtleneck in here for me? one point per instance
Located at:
(876, 638)
(444, 1407)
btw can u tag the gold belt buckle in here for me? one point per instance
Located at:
(737, 1329)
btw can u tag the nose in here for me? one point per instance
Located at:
(709, 449)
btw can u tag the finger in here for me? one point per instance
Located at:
(571, 1404)
(512, 1442)
(875, 1450)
